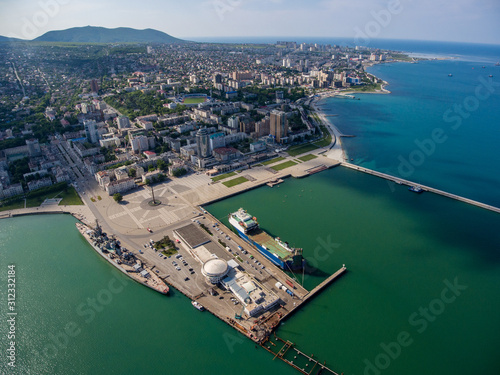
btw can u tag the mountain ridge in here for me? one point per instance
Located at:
(97, 34)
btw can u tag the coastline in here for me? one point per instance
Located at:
(80, 212)
(336, 151)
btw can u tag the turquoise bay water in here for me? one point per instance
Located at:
(419, 132)
(401, 250)
(128, 329)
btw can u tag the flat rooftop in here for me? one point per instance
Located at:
(192, 236)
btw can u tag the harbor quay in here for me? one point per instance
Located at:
(215, 268)
(212, 265)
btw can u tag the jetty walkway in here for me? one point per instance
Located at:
(402, 181)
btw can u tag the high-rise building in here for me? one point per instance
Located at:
(217, 79)
(94, 86)
(263, 127)
(91, 131)
(217, 140)
(233, 122)
(278, 125)
(242, 76)
(33, 147)
(203, 143)
(123, 122)
(280, 95)
(139, 143)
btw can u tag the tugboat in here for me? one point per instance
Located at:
(197, 305)
(416, 189)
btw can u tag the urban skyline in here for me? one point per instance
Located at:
(460, 21)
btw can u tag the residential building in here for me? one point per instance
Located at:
(278, 125)
(33, 147)
(11, 190)
(225, 154)
(123, 122)
(103, 178)
(203, 144)
(94, 85)
(121, 186)
(38, 184)
(91, 131)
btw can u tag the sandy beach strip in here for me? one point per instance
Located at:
(336, 152)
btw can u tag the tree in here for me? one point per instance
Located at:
(132, 172)
(179, 172)
(118, 197)
(162, 166)
(151, 168)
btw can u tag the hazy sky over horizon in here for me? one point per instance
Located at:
(458, 20)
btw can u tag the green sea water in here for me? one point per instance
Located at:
(402, 251)
(78, 315)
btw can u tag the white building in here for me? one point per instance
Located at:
(11, 190)
(103, 178)
(215, 270)
(120, 186)
(253, 295)
(38, 184)
(121, 174)
(110, 142)
(91, 131)
(139, 143)
(234, 122)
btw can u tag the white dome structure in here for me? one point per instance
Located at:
(215, 270)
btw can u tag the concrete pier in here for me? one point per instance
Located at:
(402, 181)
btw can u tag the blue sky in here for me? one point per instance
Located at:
(449, 20)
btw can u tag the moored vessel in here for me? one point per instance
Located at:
(276, 250)
(416, 189)
(121, 259)
(198, 305)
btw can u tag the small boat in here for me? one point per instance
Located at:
(497, 64)
(491, 76)
(197, 305)
(416, 189)
(450, 75)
